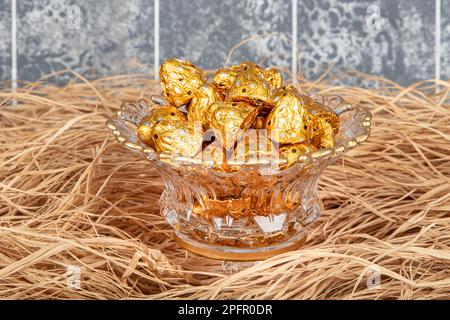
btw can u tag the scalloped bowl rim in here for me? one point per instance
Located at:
(338, 150)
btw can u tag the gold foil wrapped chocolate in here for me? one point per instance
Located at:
(287, 121)
(321, 132)
(182, 139)
(273, 78)
(202, 99)
(156, 115)
(293, 151)
(179, 80)
(144, 132)
(250, 86)
(288, 94)
(323, 112)
(229, 120)
(159, 113)
(224, 77)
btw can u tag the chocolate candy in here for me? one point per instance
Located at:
(224, 77)
(287, 94)
(203, 97)
(321, 132)
(179, 80)
(159, 113)
(273, 78)
(156, 115)
(177, 138)
(287, 121)
(292, 152)
(325, 113)
(144, 132)
(250, 86)
(229, 120)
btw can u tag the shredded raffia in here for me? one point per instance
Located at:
(71, 197)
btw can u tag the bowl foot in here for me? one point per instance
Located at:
(239, 254)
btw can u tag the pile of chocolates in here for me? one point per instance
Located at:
(244, 114)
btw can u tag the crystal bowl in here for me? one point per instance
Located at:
(256, 211)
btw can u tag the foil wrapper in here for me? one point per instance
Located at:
(177, 139)
(288, 94)
(273, 78)
(323, 112)
(156, 115)
(144, 132)
(322, 134)
(229, 120)
(287, 121)
(203, 97)
(250, 86)
(179, 80)
(224, 77)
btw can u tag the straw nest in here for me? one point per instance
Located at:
(71, 197)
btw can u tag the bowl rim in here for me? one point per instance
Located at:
(337, 150)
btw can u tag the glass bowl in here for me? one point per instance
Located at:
(256, 211)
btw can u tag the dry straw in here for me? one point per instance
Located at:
(71, 197)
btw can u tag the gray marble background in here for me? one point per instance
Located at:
(390, 38)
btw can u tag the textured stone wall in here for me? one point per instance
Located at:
(391, 38)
